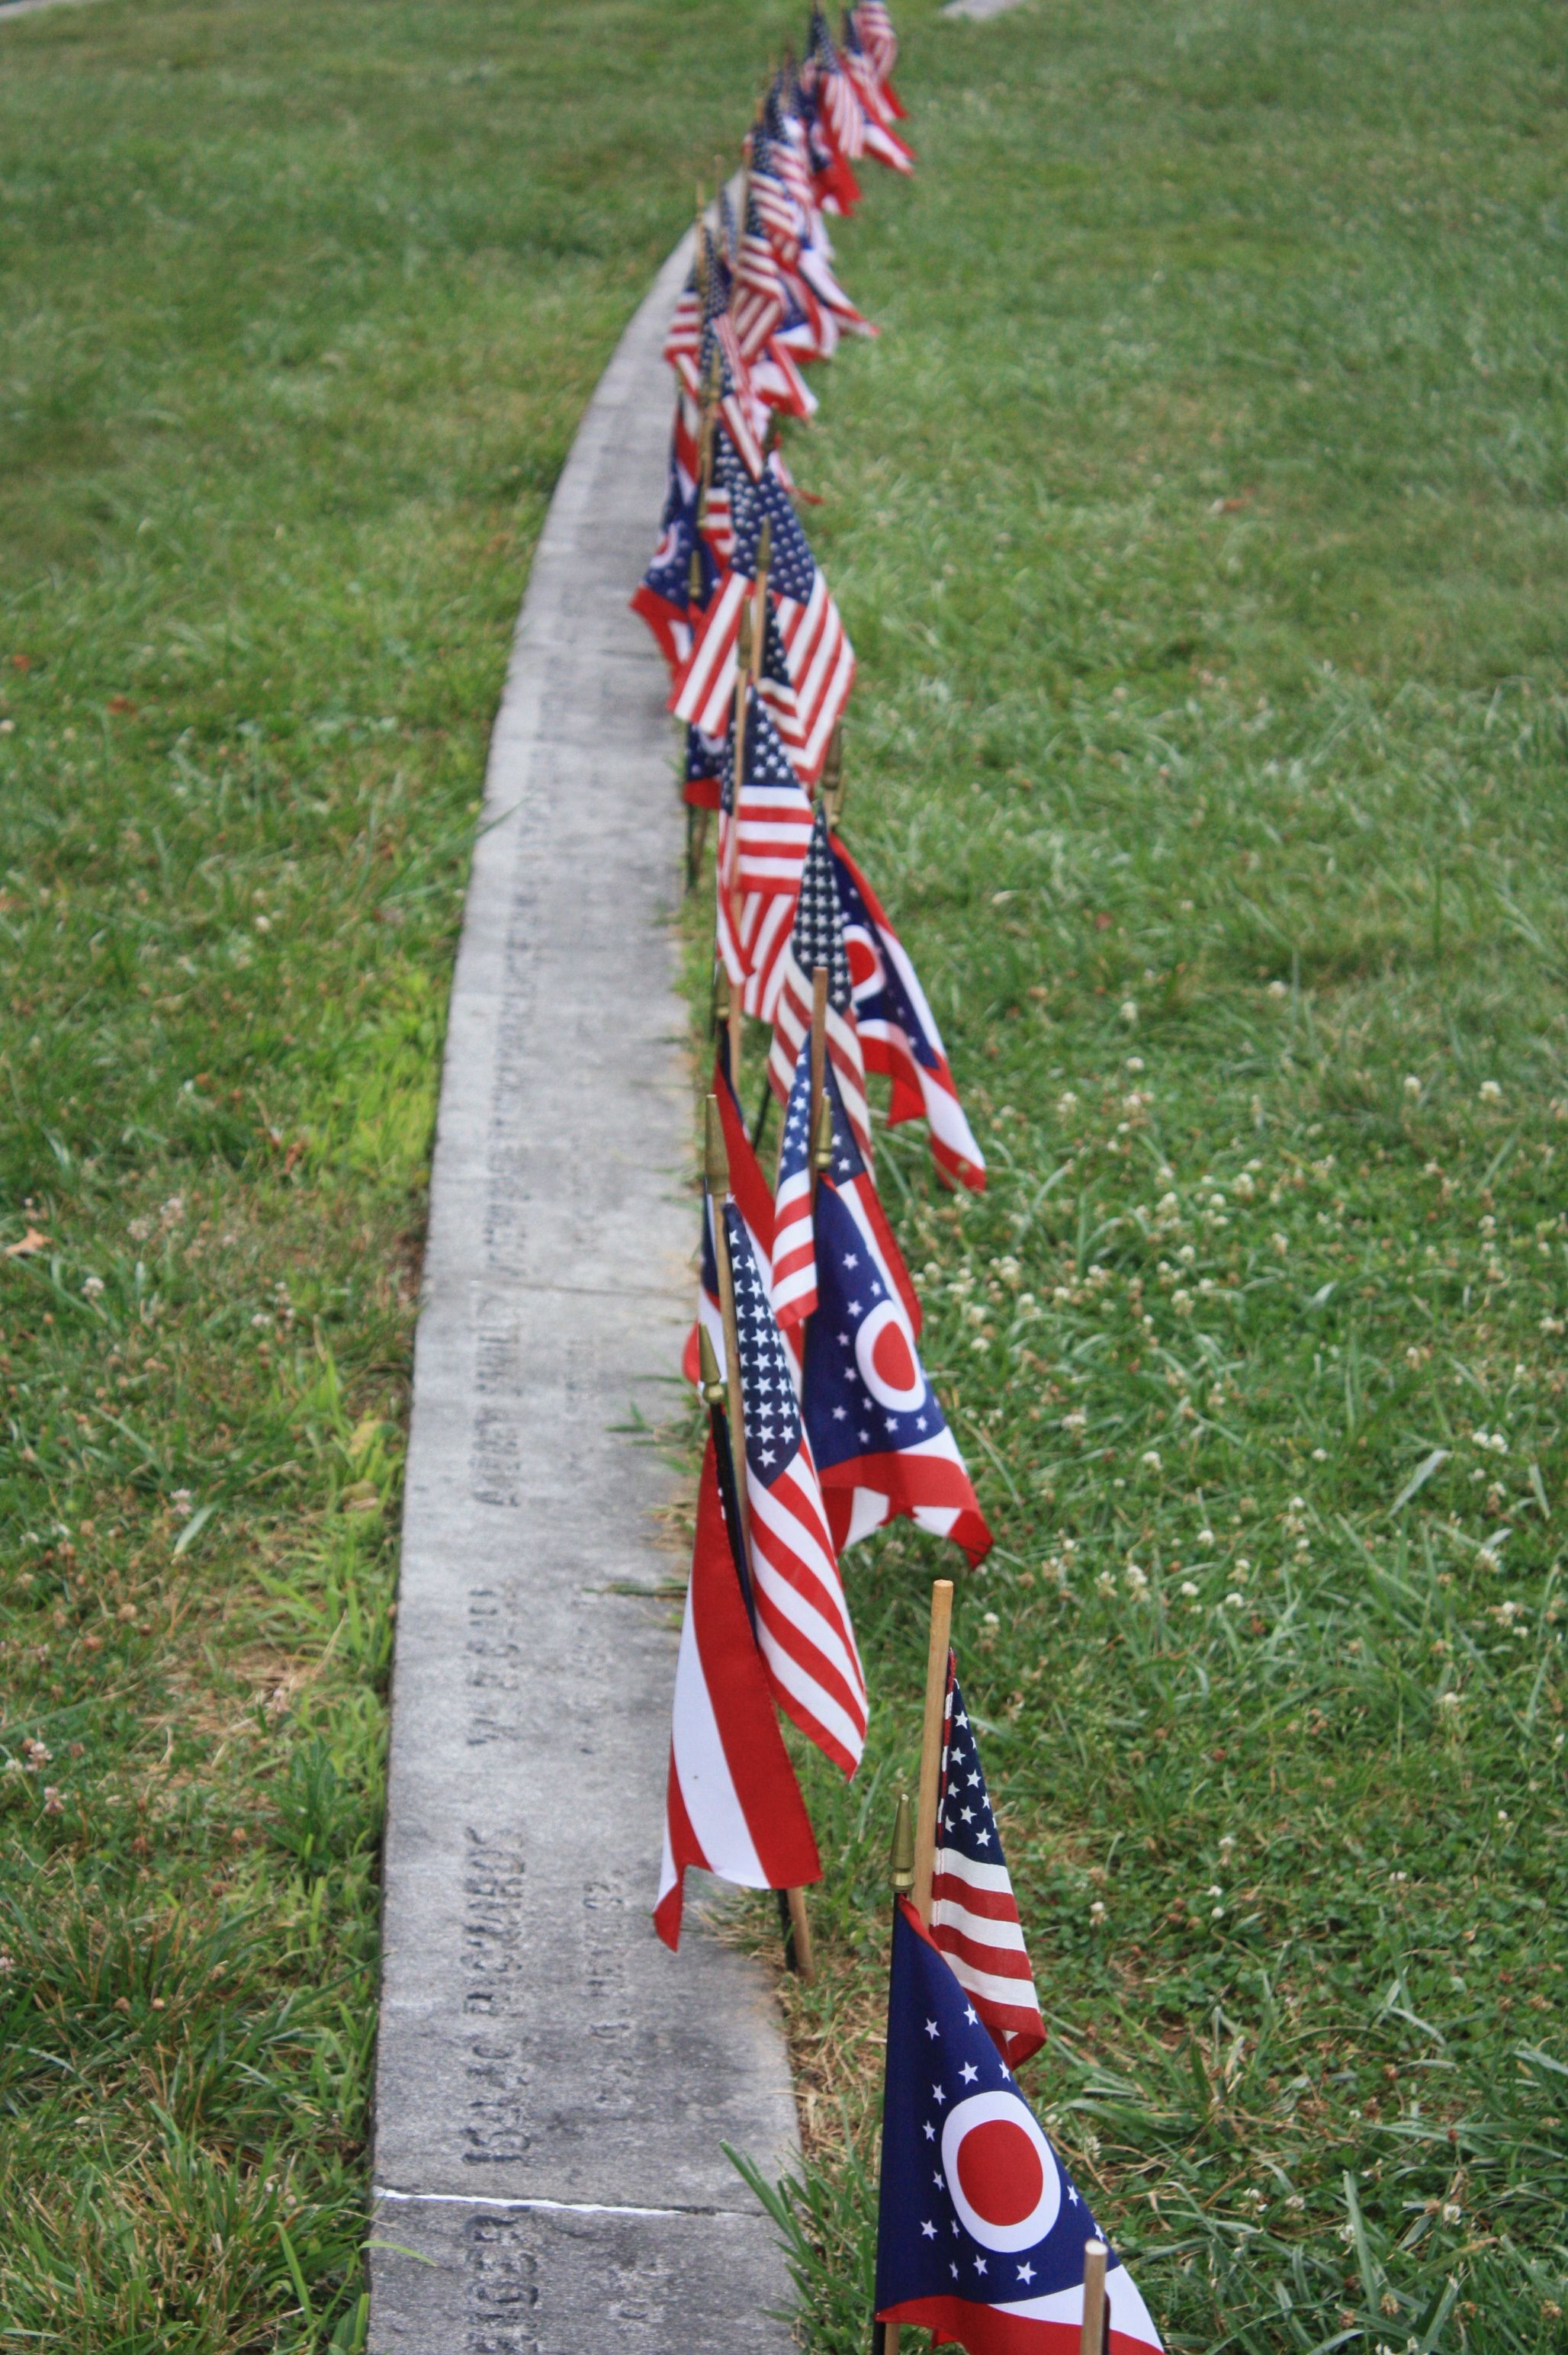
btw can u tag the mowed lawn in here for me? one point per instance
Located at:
(1199, 521)
(298, 307)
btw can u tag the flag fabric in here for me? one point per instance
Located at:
(702, 772)
(882, 140)
(765, 835)
(664, 597)
(879, 1437)
(795, 1240)
(758, 299)
(752, 1197)
(769, 813)
(818, 656)
(980, 2229)
(898, 1036)
(816, 937)
(732, 1805)
(880, 44)
(803, 1620)
(974, 1914)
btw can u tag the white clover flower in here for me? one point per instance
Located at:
(93, 1286)
(1205, 1537)
(1150, 1459)
(1066, 1101)
(1490, 1092)
(1138, 1580)
(1188, 1591)
(1134, 1062)
(1448, 1701)
(1130, 1009)
(1279, 989)
(1412, 1084)
(1182, 1303)
(1236, 1600)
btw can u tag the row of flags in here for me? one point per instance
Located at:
(823, 1423)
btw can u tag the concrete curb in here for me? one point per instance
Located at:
(32, 7)
(553, 2087)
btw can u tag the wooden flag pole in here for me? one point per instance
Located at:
(931, 1745)
(818, 1042)
(760, 600)
(1094, 2335)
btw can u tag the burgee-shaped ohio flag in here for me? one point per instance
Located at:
(981, 2232)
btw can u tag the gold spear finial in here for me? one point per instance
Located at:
(833, 787)
(822, 1142)
(707, 1362)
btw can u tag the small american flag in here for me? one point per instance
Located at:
(877, 38)
(803, 1621)
(818, 655)
(768, 816)
(758, 303)
(731, 1802)
(882, 140)
(817, 938)
(974, 1914)
(794, 1242)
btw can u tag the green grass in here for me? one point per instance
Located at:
(298, 307)
(1200, 522)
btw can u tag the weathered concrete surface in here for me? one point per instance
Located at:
(978, 9)
(553, 2087)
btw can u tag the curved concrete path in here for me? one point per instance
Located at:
(554, 2086)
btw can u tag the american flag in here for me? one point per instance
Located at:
(816, 937)
(794, 1242)
(899, 1036)
(835, 120)
(803, 1621)
(732, 1802)
(767, 827)
(974, 1914)
(880, 1439)
(882, 140)
(749, 1192)
(818, 655)
(755, 923)
(758, 303)
(878, 40)
(777, 210)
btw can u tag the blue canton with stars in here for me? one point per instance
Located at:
(767, 1391)
(930, 2244)
(967, 1823)
(850, 1411)
(791, 568)
(795, 1148)
(767, 763)
(817, 937)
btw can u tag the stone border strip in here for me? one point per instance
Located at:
(553, 2086)
(977, 9)
(31, 7)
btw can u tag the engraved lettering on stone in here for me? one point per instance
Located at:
(501, 2288)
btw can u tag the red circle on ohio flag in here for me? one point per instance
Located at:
(864, 963)
(887, 1364)
(1001, 2171)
